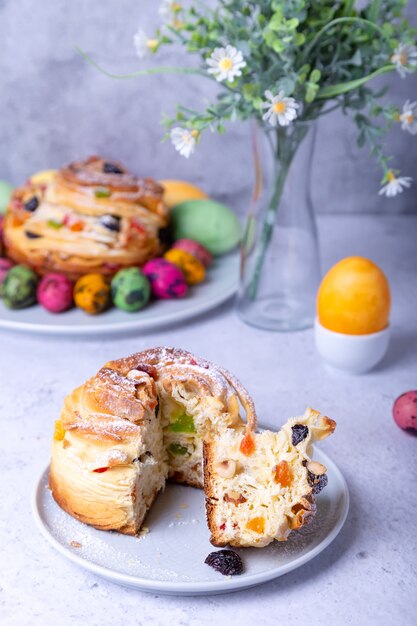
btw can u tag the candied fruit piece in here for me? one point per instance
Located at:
(177, 449)
(59, 432)
(183, 424)
(247, 445)
(283, 474)
(226, 562)
(100, 470)
(257, 524)
(77, 227)
(299, 433)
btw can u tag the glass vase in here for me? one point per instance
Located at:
(280, 266)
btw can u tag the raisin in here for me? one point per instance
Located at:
(112, 222)
(226, 562)
(317, 482)
(111, 168)
(31, 205)
(299, 433)
(31, 235)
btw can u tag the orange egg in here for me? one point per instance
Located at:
(354, 298)
(178, 191)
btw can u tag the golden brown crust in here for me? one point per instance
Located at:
(67, 503)
(86, 220)
(171, 363)
(209, 492)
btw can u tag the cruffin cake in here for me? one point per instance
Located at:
(93, 216)
(140, 420)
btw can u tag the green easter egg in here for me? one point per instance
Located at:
(19, 287)
(210, 223)
(130, 289)
(6, 191)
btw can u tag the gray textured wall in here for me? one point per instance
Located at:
(55, 107)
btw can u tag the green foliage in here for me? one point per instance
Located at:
(313, 50)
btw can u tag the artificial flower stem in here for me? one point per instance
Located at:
(332, 91)
(145, 72)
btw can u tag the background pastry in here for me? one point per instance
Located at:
(93, 216)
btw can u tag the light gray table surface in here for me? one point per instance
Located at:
(367, 576)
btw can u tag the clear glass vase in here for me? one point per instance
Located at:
(280, 266)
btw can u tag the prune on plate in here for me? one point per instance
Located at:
(226, 562)
(299, 433)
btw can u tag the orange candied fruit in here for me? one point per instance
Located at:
(247, 445)
(257, 524)
(77, 227)
(59, 432)
(283, 474)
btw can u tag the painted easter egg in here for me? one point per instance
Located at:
(405, 411)
(5, 266)
(354, 298)
(130, 289)
(196, 249)
(43, 177)
(19, 287)
(191, 267)
(92, 293)
(210, 223)
(55, 292)
(167, 281)
(177, 191)
(6, 191)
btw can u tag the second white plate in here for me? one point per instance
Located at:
(170, 558)
(220, 284)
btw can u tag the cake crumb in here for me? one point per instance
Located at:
(183, 505)
(143, 531)
(76, 544)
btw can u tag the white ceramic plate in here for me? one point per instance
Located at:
(220, 284)
(170, 558)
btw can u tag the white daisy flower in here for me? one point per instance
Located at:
(404, 58)
(282, 110)
(408, 117)
(144, 46)
(168, 8)
(226, 63)
(395, 185)
(184, 140)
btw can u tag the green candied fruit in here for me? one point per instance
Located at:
(177, 449)
(183, 424)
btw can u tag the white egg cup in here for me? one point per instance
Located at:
(354, 354)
